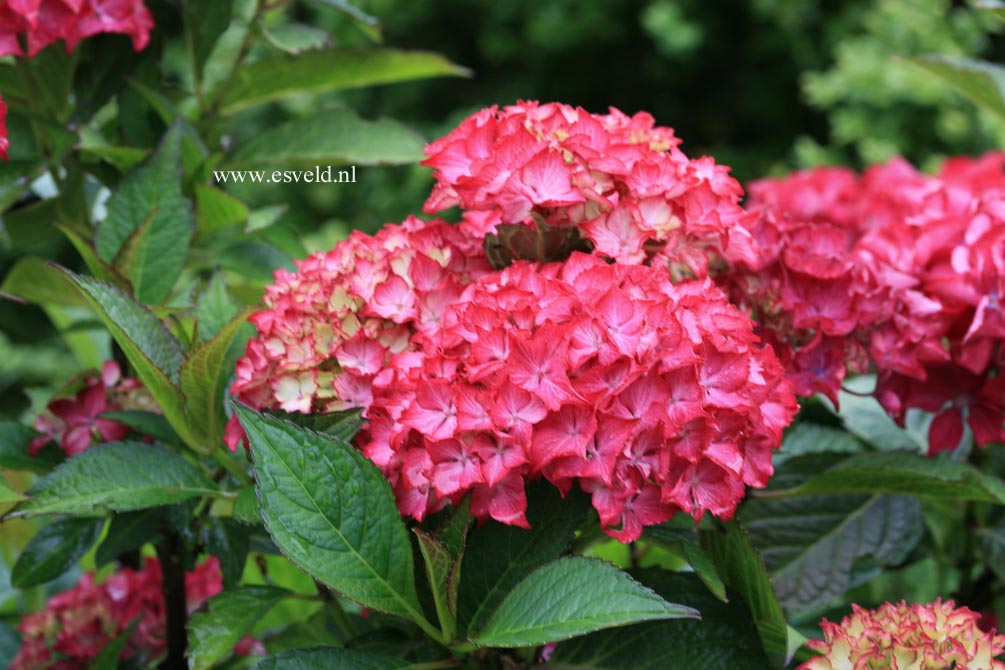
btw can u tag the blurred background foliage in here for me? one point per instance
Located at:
(763, 85)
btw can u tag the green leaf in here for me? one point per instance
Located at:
(982, 82)
(129, 531)
(331, 659)
(150, 223)
(908, 474)
(121, 476)
(145, 423)
(231, 615)
(342, 426)
(331, 70)
(34, 280)
(993, 548)
(333, 138)
(216, 210)
(203, 378)
(996, 7)
(818, 547)
(54, 550)
(14, 441)
(370, 25)
(744, 571)
(229, 542)
(214, 307)
(108, 659)
(570, 597)
(443, 570)
(8, 494)
(499, 556)
(30, 224)
(246, 509)
(295, 38)
(681, 532)
(332, 513)
(809, 438)
(205, 22)
(151, 348)
(99, 268)
(724, 639)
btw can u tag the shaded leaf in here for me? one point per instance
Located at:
(331, 659)
(129, 531)
(145, 423)
(14, 441)
(231, 615)
(53, 550)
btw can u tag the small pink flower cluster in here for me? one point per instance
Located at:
(895, 271)
(43, 22)
(653, 396)
(937, 636)
(78, 624)
(75, 422)
(4, 142)
(620, 181)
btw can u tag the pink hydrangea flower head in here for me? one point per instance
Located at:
(936, 636)
(46, 21)
(4, 142)
(556, 174)
(75, 422)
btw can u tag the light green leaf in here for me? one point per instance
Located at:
(982, 82)
(744, 571)
(203, 378)
(214, 308)
(499, 556)
(34, 280)
(7, 493)
(246, 509)
(817, 547)
(996, 7)
(149, 223)
(216, 210)
(99, 268)
(333, 138)
(54, 550)
(205, 21)
(332, 70)
(908, 474)
(865, 418)
(368, 24)
(332, 513)
(331, 659)
(809, 438)
(120, 476)
(724, 639)
(231, 615)
(570, 597)
(295, 38)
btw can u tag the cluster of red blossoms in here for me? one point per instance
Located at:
(894, 271)
(43, 22)
(75, 422)
(937, 636)
(653, 395)
(76, 625)
(621, 182)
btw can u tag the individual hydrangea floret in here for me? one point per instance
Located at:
(77, 624)
(46, 21)
(75, 422)
(619, 182)
(936, 636)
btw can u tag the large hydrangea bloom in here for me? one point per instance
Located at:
(46, 21)
(621, 183)
(937, 636)
(894, 271)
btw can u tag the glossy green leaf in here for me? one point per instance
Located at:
(129, 531)
(570, 597)
(246, 509)
(332, 70)
(808, 438)
(744, 571)
(908, 474)
(203, 377)
(333, 138)
(982, 82)
(724, 639)
(231, 615)
(818, 547)
(53, 550)
(331, 659)
(149, 223)
(332, 513)
(121, 476)
(499, 556)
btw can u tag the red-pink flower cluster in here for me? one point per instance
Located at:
(43, 22)
(4, 142)
(654, 396)
(894, 271)
(937, 636)
(76, 422)
(76, 625)
(331, 325)
(620, 181)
